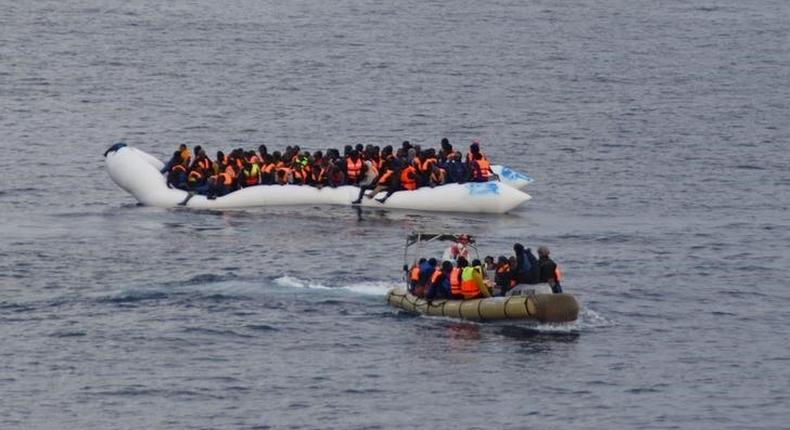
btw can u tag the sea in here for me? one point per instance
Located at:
(657, 134)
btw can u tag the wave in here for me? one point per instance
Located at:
(366, 288)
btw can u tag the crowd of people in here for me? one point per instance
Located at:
(458, 278)
(371, 168)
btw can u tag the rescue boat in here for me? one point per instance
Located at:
(528, 303)
(538, 307)
(138, 173)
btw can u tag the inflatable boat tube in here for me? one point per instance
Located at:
(543, 308)
(138, 173)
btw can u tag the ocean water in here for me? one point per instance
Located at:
(657, 133)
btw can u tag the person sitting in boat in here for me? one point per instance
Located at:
(437, 176)
(549, 271)
(457, 171)
(400, 173)
(354, 168)
(503, 276)
(177, 177)
(181, 156)
(472, 285)
(439, 285)
(414, 275)
(480, 169)
(447, 149)
(474, 150)
(250, 174)
(426, 270)
(336, 177)
(526, 269)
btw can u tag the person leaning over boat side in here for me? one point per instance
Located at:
(549, 271)
(393, 180)
(472, 285)
(439, 287)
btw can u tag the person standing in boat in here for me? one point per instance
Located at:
(526, 270)
(549, 271)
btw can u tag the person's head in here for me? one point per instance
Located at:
(474, 148)
(457, 156)
(432, 262)
(501, 260)
(464, 239)
(182, 147)
(411, 153)
(359, 147)
(318, 156)
(446, 144)
(406, 144)
(489, 260)
(421, 260)
(518, 247)
(220, 156)
(543, 251)
(347, 150)
(354, 154)
(198, 148)
(476, 262)
(462, 262)
(263, 150)
(512, 261)
(447, 267)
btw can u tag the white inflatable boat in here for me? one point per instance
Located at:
(138, 173)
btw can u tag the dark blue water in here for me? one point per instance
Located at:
(657, 133)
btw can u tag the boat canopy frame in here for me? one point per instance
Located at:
(418, 238)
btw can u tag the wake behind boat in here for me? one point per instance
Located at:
(139, 173)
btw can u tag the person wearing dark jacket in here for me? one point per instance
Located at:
(439, 287)
(549, 272)
(527, 270)
(457, 171)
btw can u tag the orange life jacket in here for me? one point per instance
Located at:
(557, 274)
(298, 176)
(470, 157)
(436, 274)
(455, 281)
(426, 165)
(485, 167)
(468, 285)
(385, 177)
(225, 178)
(267, 167)
(407, 182)
(414, 273)
(194, 176)
(178, 168)
(353, 168)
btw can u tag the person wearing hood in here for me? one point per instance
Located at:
(526, 270)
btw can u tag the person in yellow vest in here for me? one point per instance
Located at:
(472, 285)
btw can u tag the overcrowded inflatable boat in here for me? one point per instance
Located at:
(138, 173)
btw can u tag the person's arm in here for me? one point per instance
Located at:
(477, 277)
